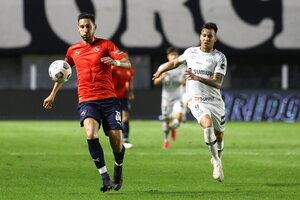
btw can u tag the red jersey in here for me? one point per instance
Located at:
(121, 78)
(94, 76)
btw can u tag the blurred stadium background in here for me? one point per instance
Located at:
(260, 39)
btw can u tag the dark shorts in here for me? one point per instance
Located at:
(106, 111)
(125, 104)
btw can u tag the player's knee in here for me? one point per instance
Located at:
(91, 135)
(115, 141)
(91, 128)
(206, 121)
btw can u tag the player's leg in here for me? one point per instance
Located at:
(177, 118)
(185, 99)
(125, 120)
(203, 116)
(166, 130)
(211, 140)
(166, 111)
(91, 128)
(174, 124)
(218, 117)
(219, 124)
(220, 142)
(177, 114)
(125, 106)
(115, 138)
(112, 126)
(209, 135)
(90, 119)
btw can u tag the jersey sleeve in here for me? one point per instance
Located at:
(221, 64)
(114, 51)
(161, 66)
(182, 57)
(69, 58)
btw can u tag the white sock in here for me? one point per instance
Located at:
(220, 148)
(166, 130)
(210, 140)
(102, 170)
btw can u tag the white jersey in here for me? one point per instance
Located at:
(172, 84)
(204, 65)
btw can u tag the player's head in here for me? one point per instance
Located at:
(86, 16)
(172, 53)
(208, 36)
(86, 26)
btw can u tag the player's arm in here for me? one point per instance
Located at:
(159, 80)
(216, 81)
(48, 102)
(169, 66)
(124, 62)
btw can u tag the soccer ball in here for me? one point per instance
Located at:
(60, 71)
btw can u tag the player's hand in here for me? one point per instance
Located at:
(48, 102)
(156, 75)
(108, 60)
(189, 75)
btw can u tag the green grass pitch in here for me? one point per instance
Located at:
(50, 160)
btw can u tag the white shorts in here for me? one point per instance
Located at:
(215, 110)
(168, 108)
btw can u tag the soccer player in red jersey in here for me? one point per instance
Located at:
(98, 104)
(123, 84)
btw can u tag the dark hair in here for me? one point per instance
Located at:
(86, 16)
(172, 50)
(210, 25)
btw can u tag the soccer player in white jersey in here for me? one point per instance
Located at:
(172, 109)
(206, 70)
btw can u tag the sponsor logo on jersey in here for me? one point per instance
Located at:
(206, 99)
(202, 72)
